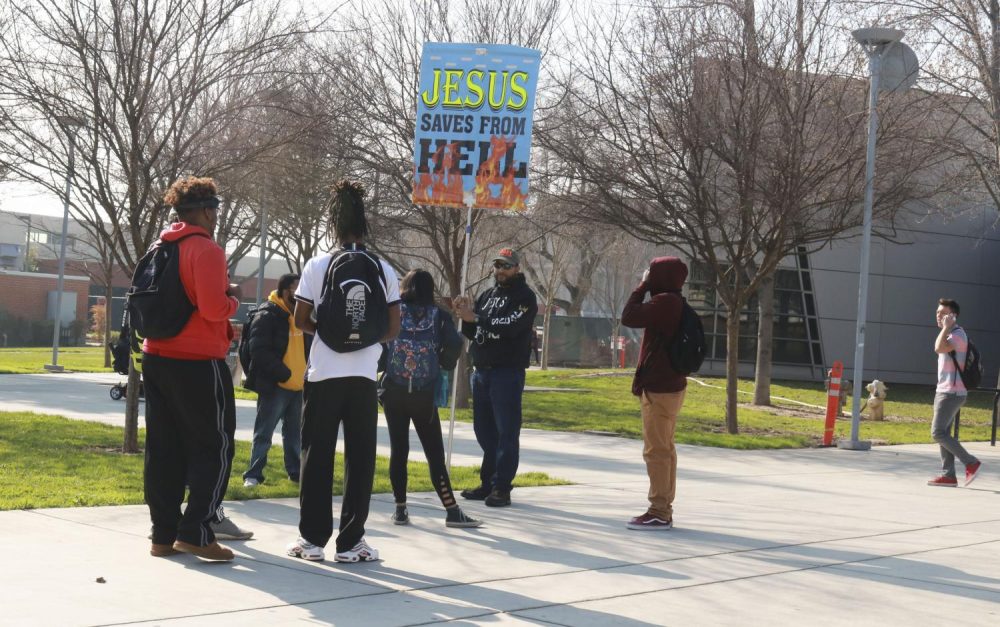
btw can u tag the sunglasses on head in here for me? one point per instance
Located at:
(502, 265)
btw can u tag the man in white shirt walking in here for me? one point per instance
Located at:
(951, 346)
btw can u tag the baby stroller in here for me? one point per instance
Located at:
(120, 355)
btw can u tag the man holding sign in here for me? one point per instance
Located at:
(500, 325)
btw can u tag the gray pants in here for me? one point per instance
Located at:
(946, 407)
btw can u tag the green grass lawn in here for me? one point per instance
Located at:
(601, 401)
(605, 403)
(31, 360)
(50, 461)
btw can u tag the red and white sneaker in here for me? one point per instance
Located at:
(972, 471)
(360, 553)
(648, 522)
(943, 482)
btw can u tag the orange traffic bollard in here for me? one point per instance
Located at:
(832, 402)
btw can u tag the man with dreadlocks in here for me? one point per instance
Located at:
(340, 388)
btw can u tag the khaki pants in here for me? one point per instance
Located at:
(659, 419)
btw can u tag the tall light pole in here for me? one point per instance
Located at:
(881, 44)
(261, 259)
(70, 125)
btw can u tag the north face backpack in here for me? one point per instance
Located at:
(244, 350)
(157, 305)
(688, 347)
(413, 355)
(972, 374)
(353, 312)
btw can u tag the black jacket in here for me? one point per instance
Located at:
(268, 343)
(506, 324)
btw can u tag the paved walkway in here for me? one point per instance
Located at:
(803, 537)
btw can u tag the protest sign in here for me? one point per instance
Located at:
(473, 127)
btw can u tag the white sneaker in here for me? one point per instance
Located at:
(225, 529)
(306, 550)
(250, 483)
(360, 553)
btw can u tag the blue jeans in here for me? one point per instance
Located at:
(496, 418)
(286, 406)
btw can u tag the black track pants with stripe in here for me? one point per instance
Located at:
(353, 402)
(190, 425)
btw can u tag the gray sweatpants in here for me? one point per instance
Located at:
(946, 407)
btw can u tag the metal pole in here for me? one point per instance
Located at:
(454, 384)
(875, 67)
(57, 322)
(260, 262)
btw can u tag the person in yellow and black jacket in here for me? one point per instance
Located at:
(277, 373)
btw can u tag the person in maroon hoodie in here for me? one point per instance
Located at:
(659, 387)
(190, 409)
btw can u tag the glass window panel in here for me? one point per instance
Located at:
(813, 329)
(748, 324)
(700, 296)
(817, 352)
(720, 346)
(707, 321)
(806, 282)
(810, 305)
(788, 302)
(786, 280)
(790, 327)
(748, 349)
(791, 352)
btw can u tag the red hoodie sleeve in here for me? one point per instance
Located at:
(639, 315)
(211, 284)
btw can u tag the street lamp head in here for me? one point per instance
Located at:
(877, 36)
(71, 123)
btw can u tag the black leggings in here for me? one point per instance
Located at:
(400, 408)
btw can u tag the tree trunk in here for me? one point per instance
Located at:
(108, 291)
(732, 369)
(131, 440)
(546, 320)
(616, 328)
(765, 340)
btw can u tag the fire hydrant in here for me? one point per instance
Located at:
(845, 393)
(876, 400)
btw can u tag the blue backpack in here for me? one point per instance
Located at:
(413, 355)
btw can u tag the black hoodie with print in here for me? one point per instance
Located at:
(501, 337)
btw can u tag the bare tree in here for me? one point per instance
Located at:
(678, 119)
(161, 88)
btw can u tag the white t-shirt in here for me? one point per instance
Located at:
(324, 362)
(949, 381)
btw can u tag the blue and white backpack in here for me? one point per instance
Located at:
(413, 355)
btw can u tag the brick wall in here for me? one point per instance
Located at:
(25, 294)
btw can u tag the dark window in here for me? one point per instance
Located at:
(791, 352)
(786, 302)
(790, 327)
(786, 280)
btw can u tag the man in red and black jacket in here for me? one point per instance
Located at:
(190, 409)
(659, 387)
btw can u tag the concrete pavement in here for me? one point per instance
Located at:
(816, 537)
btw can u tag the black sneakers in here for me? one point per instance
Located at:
(458, 519)
(400, 516)
(477, 494)
(498, 498)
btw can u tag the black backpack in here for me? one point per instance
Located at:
(244, 350)
(972, 373)
(157, 305)
(353, 311)
(687, 349)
